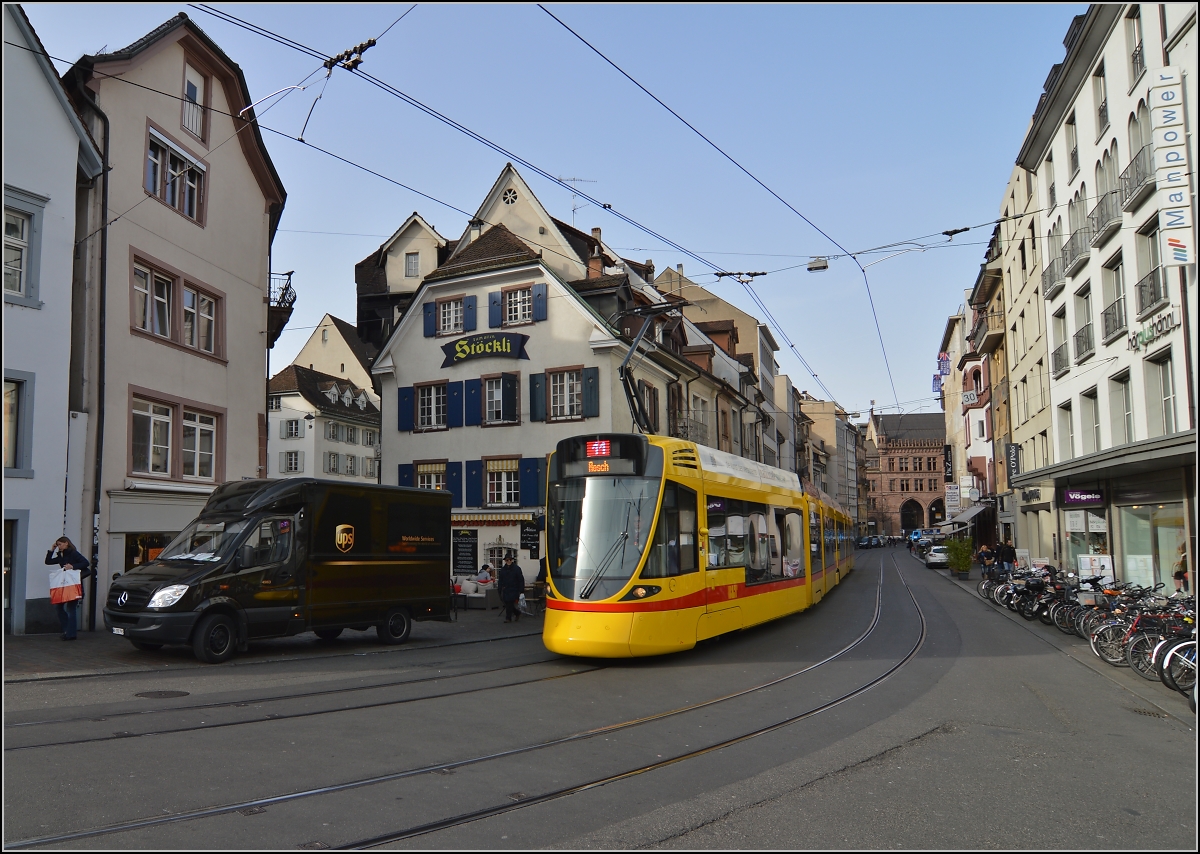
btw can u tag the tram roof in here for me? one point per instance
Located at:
(738, 468)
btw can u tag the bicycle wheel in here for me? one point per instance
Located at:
(982, 587)
(1043, 614)
(1108, 644)
(1160, 661)
(1181, 666)
(1137, 655)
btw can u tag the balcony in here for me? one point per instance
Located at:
(1114, 319)
(1102, 117)
(691, 424)
(1137, 61)
(1085, 344)
(1077, 251)
(1053, 279)
(1137, 181)
(1105, 219)
(1151, 293)
(988, 332)
(279, 309)
(1074, 161)
(1053, 197)
(1060, 361)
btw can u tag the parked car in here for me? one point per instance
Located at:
(937, 556)
(864, 542)
(875, 542)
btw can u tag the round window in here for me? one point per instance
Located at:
(509, 197)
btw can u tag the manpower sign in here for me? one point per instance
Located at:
(1177, 236)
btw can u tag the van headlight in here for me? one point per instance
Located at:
(167, 596)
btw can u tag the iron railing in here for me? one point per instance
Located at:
(193, 117)
(1077, 250)
(691, 424)
(1085, 344)
(1053, 197)
(989, 329)
(1138, 178)
(1074, 160)
(1053, 278)
(1151, 292)
(1105, 218)
(1114, 319)
(1060, 360)
(1102, 116)
(1138, 60)
(283, 295)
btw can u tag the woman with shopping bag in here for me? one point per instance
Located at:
(66, 584)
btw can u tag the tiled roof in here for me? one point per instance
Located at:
(599, 283)
(918, 425)
(363, 351)
(495, 248)
(146, 40)
(369, 275)
(707, 326)
(312, 386)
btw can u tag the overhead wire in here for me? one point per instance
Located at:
(752, 176)
(395, 92)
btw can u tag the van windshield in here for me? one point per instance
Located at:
(205, 540)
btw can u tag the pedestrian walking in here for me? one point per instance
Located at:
(987, 560)
(511, 583)
(66, 584)
(1007, 556)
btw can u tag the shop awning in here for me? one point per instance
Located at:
(961, 520)
(484, 518)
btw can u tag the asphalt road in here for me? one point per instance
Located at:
(985, 732)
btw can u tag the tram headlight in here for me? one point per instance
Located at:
(642, 591)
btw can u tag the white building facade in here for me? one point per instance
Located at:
(47, 154)
(1115, 159)
(321, 426)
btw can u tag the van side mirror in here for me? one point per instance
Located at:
(116, 575)
(246, 556)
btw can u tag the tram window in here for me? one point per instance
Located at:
(673, 550)
(830, 550)
(758, 544)
(792, 534)
(716, 530)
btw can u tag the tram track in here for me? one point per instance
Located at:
(445, 767)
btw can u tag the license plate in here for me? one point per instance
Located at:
(118, 631)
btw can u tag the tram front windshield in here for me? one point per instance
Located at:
(597, 530)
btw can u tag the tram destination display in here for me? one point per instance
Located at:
(591, 456)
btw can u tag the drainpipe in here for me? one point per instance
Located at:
(97, 488)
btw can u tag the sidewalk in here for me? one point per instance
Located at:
(1155, 694)
(30, 658)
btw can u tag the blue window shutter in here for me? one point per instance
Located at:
(495, 310)
(405, 477)
(430, 319)
(454, 483)
(529, 481)
(537, 397)
(469, 314)
(454, 404)
(591, 392)
(474, 485)
(539, 301)
(405, 409)
(510, 406)
(472, 402)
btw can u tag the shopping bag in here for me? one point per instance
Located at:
(65, 585)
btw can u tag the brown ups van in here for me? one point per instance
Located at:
(273, 558)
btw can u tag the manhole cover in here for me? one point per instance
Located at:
(161, 695)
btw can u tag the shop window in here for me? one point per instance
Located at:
(1153, 540)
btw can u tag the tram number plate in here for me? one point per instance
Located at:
(118, 631)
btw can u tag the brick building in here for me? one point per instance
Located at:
(905, 486)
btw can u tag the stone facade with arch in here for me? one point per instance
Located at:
(905, 488)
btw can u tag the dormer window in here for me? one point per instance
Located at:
(361, 400)
(347, 397)
(332, 393)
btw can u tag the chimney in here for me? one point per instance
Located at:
(595, 263)
(596, 234)
(649, 269)
(476, 229)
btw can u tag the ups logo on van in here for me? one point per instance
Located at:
(343, 537)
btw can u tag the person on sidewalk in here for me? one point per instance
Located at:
(64, 554)
(1007, 556)
(510, 583)
(987, 560)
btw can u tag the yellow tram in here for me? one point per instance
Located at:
(656, 543)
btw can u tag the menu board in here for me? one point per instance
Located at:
(465, 557)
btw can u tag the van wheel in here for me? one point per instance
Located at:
(327, 634)
(215, 639)
(395, 627)
(148, 647)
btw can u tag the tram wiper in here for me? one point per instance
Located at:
(621, 540)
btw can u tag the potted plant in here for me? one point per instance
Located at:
(958, 555)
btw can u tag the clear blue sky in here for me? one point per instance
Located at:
(879, 123)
